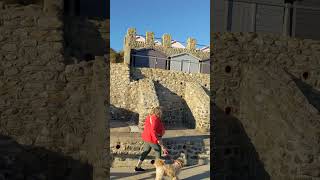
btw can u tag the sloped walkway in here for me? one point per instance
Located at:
(197, 172)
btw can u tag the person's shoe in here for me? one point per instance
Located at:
(136, 169)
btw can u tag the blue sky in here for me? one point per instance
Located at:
(180, 18)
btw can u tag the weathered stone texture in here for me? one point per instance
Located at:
(172, 80)
(169, 86)
(126, 150)
(147, 99)
(134, 91)
(266, 95)
(198, 102)
(47, 104)
(93, 33)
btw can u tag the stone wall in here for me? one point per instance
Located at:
(193, 150)
(292, 132)
(147, 99)
(172, 80)
(47, 104)
(169, 87)
(198, 102)
(258, 112)
(85, 38)
(123, 94)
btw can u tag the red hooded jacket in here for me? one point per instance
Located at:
(152, 129)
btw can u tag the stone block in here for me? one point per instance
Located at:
(10, 47)
(50, 23)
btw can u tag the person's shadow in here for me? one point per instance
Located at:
(30, 162)
(233, 153)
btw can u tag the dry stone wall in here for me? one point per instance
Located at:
(147, 99)
(292, 132)
(198, 102)
(172, 80)
(193, 150)
(258, 111)
(85, 38)
(47, 104)
(169, 87)
(124, 94)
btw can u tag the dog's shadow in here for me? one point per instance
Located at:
(121, 175)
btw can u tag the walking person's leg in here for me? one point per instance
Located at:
(157, 149)
(146, 151)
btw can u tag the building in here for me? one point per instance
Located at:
(290, 18)
(185, 62)
(140, 38)
(205, 66)
(205, 49)
(145, 51)
(177, 44)
(148, 57)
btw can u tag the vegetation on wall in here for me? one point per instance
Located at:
(116, 57)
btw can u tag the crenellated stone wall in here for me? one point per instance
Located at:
(131, 43)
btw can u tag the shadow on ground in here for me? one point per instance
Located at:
(123, 115)
(29, 162)
(120, 175)
(189, 173)
(312, 95)
(199, 176)
(234, 154)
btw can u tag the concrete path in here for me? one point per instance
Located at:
(197, 172)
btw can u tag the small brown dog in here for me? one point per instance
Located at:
(170, 170)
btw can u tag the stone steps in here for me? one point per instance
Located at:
(126, 148)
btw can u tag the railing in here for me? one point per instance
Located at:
(170, 64)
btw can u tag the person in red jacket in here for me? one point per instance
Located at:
(152, 136)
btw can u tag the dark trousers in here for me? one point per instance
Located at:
(147, 148)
